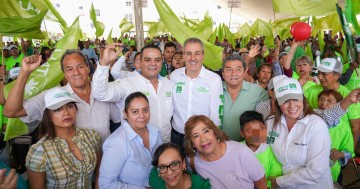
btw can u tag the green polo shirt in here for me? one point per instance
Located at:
(248, 97)
(312, 93)
(341, 139)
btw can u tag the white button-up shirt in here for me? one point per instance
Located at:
(160, 101)
(304, 153)
(95, 115)
(198, 96)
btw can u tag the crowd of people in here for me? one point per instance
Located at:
(157, 117)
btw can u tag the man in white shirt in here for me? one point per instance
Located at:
(91, 113)
(156, 88)
(196, 90)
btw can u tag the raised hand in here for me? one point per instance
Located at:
(255, 50)
(109, 54)
(30, 63)
(9, 181)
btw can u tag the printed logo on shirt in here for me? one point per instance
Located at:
(179, 87)
(271, 137)
(202, 90)
(168, 94)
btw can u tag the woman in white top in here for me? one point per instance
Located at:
(299, 139)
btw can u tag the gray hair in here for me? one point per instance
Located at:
(70, 52)
(194, 40)
(234, 57)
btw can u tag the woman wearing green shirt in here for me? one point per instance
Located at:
(170, 170)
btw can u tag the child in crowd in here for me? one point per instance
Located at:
(254, 130)
(342, 145)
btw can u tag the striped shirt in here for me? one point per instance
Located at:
(62, 168)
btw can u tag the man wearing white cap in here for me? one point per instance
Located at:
(15, 58)
(299, 139)
(330, 70)
(92, 113)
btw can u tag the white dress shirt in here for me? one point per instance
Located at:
(198, 96)
(304, 153)
(95, 115)
(160, 101)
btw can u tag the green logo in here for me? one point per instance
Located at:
(326, 63)
(146, 93)
(168, 94)
(178, 89)
(292, 86)
(60, 95)
(283, 88)
(202, 90)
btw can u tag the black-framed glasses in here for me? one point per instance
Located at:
(175, 165)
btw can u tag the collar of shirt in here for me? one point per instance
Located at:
(201, 75)
(71, 91)
(132, 134)
(141, 77)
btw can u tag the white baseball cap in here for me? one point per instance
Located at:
(286, 89)
(13, 46)
(5, 48)
(275, 79)
(57, 97)
(328, 65)
(14, 72)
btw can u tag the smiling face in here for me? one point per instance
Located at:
(64, 117)
(76, 72)
(137, 113)
(204, 139)
(292, 109)
(193, 56)
(326, 101)
(151, 62)
(170, 159)
(168, 53)
(234, 73)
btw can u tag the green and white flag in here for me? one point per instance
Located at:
(213, 54)
(44, 77)
(125, 26)
(22, 18)
(98, 25)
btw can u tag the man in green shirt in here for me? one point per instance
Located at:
(239, 95)
(330, 70)
(14, 59)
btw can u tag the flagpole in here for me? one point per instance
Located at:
(46, 29)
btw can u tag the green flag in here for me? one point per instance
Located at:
(98, 25)
(229, 36)
(125, 26)
(56, 14)
(308, 52)
(350, 42)
(204, 27)
(352, 8)
(22, 18)
(44, 77)
(305, 7)
(213, 54)
(244, 30)
(156, 28)
(262, 28)
(109, 39)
